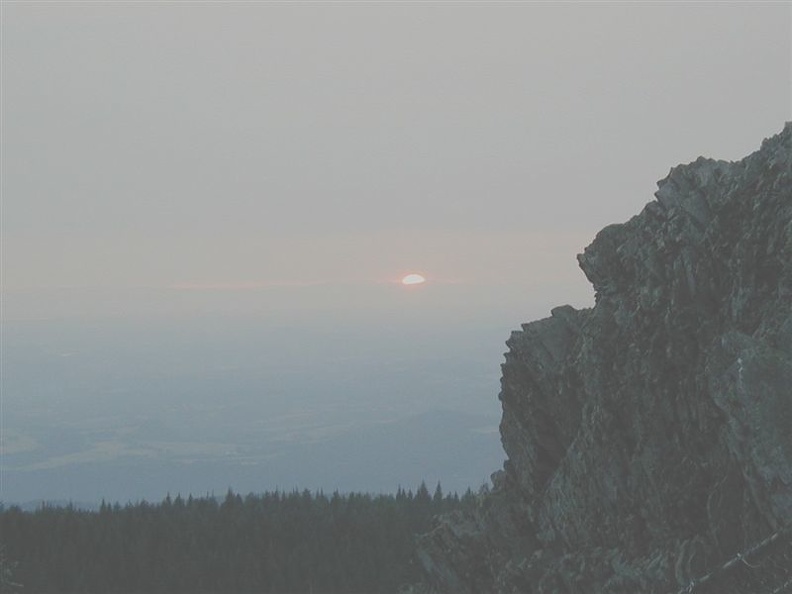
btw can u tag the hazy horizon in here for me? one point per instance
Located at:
(207, 208)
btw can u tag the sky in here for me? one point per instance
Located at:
(286, 163)
(166, 147)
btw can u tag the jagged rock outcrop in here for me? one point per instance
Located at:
(649, 438)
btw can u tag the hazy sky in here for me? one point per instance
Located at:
(157, 148)
(209, 205)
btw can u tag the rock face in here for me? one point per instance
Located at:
(649, 438)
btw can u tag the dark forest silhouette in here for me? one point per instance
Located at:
(275, 542)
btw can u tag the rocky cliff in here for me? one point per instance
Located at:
(649, 438)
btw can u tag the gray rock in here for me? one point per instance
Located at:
(649, 439)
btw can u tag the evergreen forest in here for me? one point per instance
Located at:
(277, 542)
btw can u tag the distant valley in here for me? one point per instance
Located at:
(124, 412)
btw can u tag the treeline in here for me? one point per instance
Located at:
(272, 543)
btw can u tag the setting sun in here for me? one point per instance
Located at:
(413, 279)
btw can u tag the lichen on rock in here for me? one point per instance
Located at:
(649, 438)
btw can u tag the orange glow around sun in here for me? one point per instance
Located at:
(413, 279)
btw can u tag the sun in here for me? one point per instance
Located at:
(413, 279)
